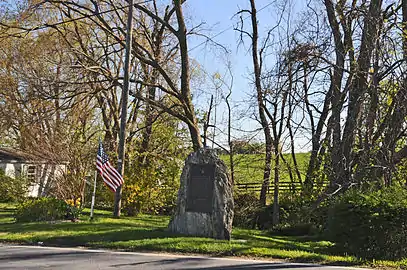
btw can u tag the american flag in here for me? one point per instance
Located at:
(110, 175)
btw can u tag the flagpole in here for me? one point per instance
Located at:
(123, 119)
(93, 196)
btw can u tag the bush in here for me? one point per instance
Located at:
(246, 211)
(293, 210)
(149, 191)
(45, 209)
(265, 217)
(293, 220)
(295, 217)
(299, 229)
(12, 189)
(370, 224)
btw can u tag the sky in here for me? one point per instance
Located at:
(220, 19)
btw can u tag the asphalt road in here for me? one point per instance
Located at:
(23, 257)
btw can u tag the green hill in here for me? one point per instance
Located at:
(249, 167)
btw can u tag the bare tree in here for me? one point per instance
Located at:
(257, 58)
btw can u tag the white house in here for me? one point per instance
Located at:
(40, 172)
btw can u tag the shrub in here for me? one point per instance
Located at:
(12, 189)
(298, 216)
(250, 214)
(370, 224)
(247, 210)
(45, 209)
(293, 210)
(148, 191)
(298, 229)
(265, 217)
(296, 219)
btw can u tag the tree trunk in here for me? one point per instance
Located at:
(149, 118)
(260, 104)
(185, 79)
(335, 89)
(276, 205)
(359, 87)
(231, 147)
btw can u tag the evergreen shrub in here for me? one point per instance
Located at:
(45, 209)
(370, 225)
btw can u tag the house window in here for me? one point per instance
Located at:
(31, 172)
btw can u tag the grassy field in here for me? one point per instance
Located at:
(148, 233)
(249, 167)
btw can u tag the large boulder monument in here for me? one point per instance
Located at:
(205, 197)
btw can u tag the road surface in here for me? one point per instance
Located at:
(32, 257)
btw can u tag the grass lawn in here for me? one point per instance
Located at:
(148, 233)
(249, 167)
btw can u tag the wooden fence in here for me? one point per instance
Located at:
(284, 186)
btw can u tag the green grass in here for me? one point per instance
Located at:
(148, 233)
(249, 167)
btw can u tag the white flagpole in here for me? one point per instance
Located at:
(93, 196)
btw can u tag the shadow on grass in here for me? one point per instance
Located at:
(148, 233)
(98, 224)
(120, 236)
(124, 237)
(299, 238)
(316, 246)
(63, 226)
(101, 239)
(7, 210)
(6, 215)
(316, 258)
(283, 243)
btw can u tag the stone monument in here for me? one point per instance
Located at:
(205, 197)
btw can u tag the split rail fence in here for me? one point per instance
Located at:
(284, 186)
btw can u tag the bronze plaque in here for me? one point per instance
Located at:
(200, 188)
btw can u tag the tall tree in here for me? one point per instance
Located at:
(257, 58)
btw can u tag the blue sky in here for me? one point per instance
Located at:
(218, 16)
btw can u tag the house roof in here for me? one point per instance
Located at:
(9, 154)
(12, 155)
